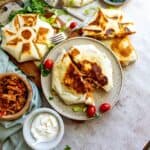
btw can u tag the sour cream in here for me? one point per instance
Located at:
(44, 127)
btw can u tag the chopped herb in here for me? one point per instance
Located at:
(14, 13)
(55, 25)
(50, 20)
(69, 19)
(53, 21)
(44, 72)
(1, 25)
(86, 12)
(78, 108)
(52, 45)
(67, 147)
(63, 28)
(90, 11)
(36, 6)
(31, 6)
(50, 98)
(97, 115)
(58, 12)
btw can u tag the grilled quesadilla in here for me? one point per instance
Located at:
(107, 26)
(123, 50)
(26, 37)
(112, 28)
(68, 83)
(78, 72)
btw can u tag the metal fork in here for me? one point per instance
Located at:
(57, 38)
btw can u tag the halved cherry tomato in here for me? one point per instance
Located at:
(73, 25)
(91, 111)
(104, 107)
(80, 31)
(48, 64)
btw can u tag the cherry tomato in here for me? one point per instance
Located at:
(104, 107)
(48, 64)
(2, 113)
(73, 25)
(80, 31)
(91, 111)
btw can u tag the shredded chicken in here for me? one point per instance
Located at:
(13, 95)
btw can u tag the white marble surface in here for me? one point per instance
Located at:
(127, 126)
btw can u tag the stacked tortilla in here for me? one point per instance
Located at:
(110, 27)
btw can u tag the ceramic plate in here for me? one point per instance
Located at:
(100, 96)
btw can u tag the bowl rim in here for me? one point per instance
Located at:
(32, 116)
(115, 3)
(28, 101)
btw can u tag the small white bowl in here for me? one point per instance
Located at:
(114, 3)
(43, 145)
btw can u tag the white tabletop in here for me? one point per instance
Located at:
(127, 126)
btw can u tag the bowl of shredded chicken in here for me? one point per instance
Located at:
(15, 96)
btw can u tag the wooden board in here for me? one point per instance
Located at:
(29, 68)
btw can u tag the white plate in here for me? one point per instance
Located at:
(100, 96)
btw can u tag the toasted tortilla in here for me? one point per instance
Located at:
(26, 37)
(106, 25)
(123, 50)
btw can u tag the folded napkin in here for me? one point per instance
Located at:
(11, 131)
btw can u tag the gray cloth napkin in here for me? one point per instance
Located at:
(11, 131)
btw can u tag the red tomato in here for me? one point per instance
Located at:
(104, 107)
(91, 111)
(48, 64)
(73, 25)
(2, 113)
(80, 31)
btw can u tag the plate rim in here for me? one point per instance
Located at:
(99, 42)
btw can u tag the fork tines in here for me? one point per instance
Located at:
(59, 37)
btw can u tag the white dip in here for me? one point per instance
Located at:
(44, 127)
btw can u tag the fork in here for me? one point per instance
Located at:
(59, 37)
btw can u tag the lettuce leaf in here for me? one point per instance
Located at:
(31, 6)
